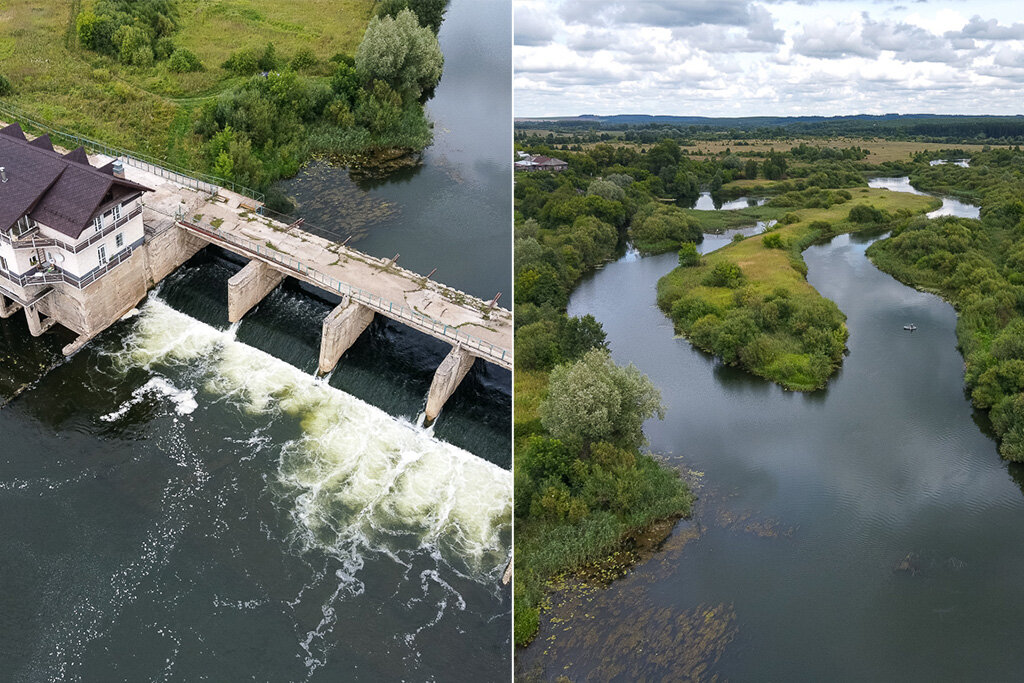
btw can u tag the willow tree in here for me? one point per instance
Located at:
(595, 400)
(401, 53)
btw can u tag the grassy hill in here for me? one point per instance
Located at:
(150, 109)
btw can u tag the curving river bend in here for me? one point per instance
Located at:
(869, 531)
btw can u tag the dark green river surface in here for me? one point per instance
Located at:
(866, 532)
(184, 501)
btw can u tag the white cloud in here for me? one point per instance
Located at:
(730, 57)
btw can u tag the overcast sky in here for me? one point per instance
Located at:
(744, 57)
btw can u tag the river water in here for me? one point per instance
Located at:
(452, 212)
(183, 500)
(868, 532)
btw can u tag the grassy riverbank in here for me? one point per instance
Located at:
(246, 90)
(583, 485)
(149, 109)
(750, 304)
(978, 266)
(576, 509)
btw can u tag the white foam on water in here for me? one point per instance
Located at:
(184, 401)
(360, 480)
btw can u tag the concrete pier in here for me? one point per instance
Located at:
(37, 325)
(341, 329)
(449, 375)
(249, 286)
(8, 307)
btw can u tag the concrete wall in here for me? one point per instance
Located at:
(340, 330)
(90, 310)
(167, 251)
(249, 286)
(447, 378)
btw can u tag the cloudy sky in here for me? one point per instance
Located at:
(747, 57)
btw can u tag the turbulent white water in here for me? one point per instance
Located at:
(358, 480)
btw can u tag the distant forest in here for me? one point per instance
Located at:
(913, 127)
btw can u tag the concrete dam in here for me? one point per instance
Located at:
(140, 222)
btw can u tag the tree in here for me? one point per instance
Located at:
(594, 400)
(5, 86)
(401, 53)
(430, 13)
(750, 169)
(606, 189)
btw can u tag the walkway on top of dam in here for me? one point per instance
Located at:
(229, 220)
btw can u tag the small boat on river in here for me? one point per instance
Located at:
(911, 327)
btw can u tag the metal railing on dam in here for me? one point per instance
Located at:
(159, 167)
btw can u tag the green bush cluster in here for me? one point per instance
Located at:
(813, 197)
(184, 61)
(797, 341)
(6, 87)
(585, 485)
(136, 32)
(659, 227)
(724, 274)
(267, 126)
(862, 213)
(688, 255)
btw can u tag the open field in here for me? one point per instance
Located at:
(880, 150)
(149, 109)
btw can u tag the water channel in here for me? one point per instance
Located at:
(869, 531)
(183, 500)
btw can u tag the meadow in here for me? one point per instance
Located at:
(151, 109)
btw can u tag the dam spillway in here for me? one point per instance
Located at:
(180, 216)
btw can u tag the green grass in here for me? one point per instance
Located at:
(720, 221)
(743, 324)
(151, 110)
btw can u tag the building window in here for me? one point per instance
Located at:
(101, 253)
(119, 240)
(98, 223)
(117, 212)
(3, 263)
(24, 225)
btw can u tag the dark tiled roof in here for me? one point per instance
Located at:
(78, 156)
(61, 192)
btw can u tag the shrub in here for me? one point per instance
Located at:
(6, 88)
(184, 61)
(773, 240)
(724, 274)
(688, 255)
(304, 59)
(862, 213)
(163, 48)
(243, 62)
(267, 60)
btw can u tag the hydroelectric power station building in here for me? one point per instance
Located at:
(70, 237)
